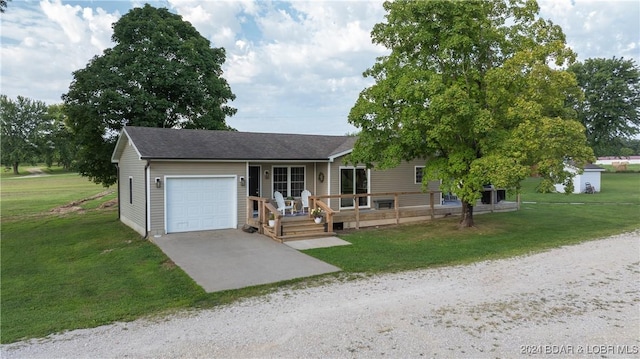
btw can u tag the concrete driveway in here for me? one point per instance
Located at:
(232, 259)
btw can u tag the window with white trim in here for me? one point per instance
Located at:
(280, 176)
(354, 180)
(130, 190)
(297, 181)
(419, 170)
(288, 180)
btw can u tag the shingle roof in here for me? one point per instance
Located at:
(588, 166)
(164, 143)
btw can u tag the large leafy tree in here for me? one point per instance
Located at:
(60, 142)
(468, 86)
(611, 107)
(24, 126)
(160, 73)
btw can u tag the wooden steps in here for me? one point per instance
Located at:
(296, 228)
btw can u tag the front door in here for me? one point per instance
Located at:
(254, 184)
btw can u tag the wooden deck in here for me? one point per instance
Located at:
(288, 227)
(379, 217)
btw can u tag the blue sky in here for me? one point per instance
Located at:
(295, 66)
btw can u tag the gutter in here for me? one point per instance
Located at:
(118, 180)
(146, 200)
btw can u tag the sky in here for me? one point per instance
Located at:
(294, 66)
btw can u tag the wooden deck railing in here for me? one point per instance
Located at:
(356, 202)
(265, 208)
(396, 202)
(314, 202)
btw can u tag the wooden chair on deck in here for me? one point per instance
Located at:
(304, 198)
(280, 202)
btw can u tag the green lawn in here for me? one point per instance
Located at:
(535, 227)
(616, 188)
(83, 269)
(26, 196)
(633, 167)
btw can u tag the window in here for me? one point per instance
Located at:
(354, 181)
(280, 176)
(288, 180)
(419, 173)
(130, 190)
(297, 181)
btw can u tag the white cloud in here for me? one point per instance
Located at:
(100, 27)
(215, 20)
(66, 17)
(295, 66)
(43, 44)
(597, 28)
(242, 63)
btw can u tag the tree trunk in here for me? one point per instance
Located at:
(467, 215)
(15, 168)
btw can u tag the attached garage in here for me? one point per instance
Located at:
(200, 203)
(172, 180)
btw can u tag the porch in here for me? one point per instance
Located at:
(367, 210)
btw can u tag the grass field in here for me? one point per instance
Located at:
(616, 188)
(84, 268)
(633, 167)
(24, 196)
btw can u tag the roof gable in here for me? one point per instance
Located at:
(164, 143)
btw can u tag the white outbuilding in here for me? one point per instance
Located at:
(591, 175)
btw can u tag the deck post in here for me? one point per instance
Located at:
(262, 215)
(431, 204)
(356, 203)
(396, 208)
(494, 195)
(278, 227)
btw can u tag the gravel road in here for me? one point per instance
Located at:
(576, 301)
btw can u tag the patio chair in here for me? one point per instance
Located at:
(589, 188)
(304, 198)
(280, 202)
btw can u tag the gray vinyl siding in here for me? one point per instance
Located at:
(321, 188)
(334, 183)
(266, 184)
(130, 166)
(398, 179)
(175, 168)
(402, 179)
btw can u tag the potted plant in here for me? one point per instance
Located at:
(316, 213)
(272, 219)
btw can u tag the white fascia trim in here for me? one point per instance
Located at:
(340, 154)
(329, 184)
(118, 144)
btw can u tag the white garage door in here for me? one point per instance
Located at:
(200, 203)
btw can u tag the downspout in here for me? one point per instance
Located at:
(146, 200)
(118, 180)
(329, 183)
